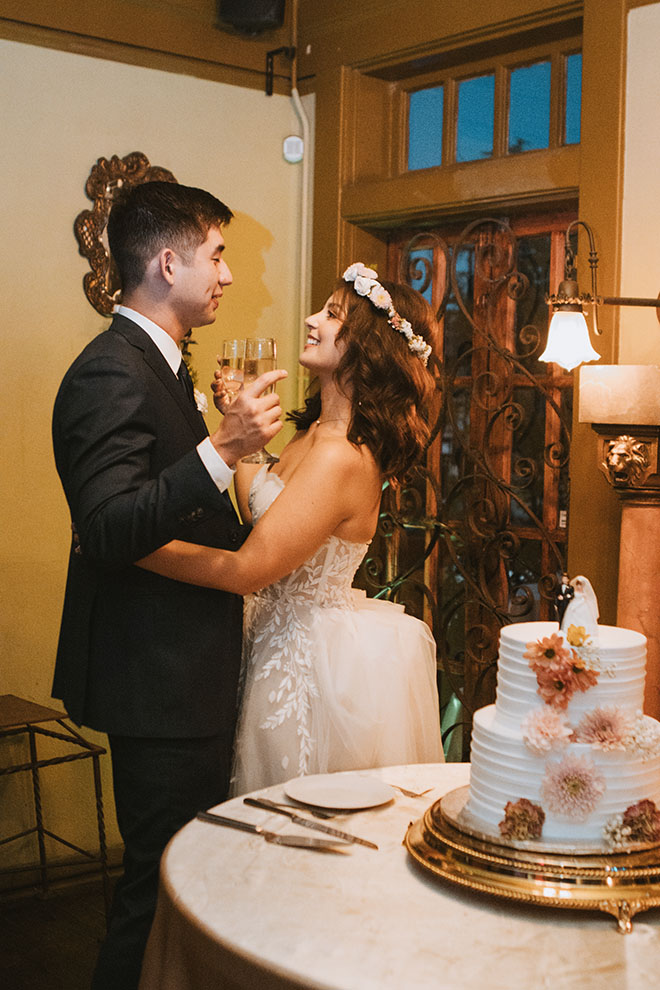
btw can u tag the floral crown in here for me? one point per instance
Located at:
(365, 282)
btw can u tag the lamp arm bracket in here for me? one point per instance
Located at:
(569, 255)
(630, 301)
(288, 52)
(627, 301)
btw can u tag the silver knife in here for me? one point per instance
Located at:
(299, 820)
(302, 841)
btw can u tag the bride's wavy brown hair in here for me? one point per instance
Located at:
(391, 387)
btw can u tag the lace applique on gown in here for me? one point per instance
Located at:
(331, 680)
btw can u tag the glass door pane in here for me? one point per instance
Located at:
(476, 537)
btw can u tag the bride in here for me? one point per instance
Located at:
(331, 681)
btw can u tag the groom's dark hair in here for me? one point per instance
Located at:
(148, 217)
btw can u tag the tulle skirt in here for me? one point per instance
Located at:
(355, 688)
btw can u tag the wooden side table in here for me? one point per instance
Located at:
(19, 716)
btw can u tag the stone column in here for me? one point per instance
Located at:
(622, 403)
(630, 463)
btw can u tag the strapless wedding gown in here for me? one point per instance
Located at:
(331, 680)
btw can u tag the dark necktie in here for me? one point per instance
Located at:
(185, 381)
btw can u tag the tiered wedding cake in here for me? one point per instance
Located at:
(565, 754)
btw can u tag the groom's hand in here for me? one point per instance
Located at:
(251, 420)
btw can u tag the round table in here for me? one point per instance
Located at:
(236, 912)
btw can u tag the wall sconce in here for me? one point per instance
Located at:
(568, 336)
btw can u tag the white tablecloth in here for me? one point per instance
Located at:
(237, 912)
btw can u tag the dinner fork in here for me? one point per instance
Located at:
(411, 794)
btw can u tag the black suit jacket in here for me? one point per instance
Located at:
(140, 654)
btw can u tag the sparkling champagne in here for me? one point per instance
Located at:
(260, 356)
(253, 367)
(232, 372)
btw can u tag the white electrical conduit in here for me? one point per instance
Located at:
(303, 292)
(303, 301)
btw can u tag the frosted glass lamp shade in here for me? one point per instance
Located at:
(568, 340)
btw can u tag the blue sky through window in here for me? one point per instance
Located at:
(425, 111)
(476, 113)
(529, 107)
(527, 104)
(573, 98)
(424, 255)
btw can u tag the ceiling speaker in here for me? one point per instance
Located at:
(251, 16)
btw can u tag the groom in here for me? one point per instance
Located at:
(150, 661)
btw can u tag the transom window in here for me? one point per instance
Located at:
(501, 109)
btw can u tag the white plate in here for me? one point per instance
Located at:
(343, 792)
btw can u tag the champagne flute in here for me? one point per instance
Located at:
(231, 366)
(260, 356)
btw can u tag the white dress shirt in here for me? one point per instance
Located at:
(219, 471)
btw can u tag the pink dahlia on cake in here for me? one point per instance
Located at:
(605, 728)
(545, 729)
(572, 787)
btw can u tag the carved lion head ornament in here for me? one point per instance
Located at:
(627, 461)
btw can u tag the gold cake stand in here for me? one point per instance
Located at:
(451, 845)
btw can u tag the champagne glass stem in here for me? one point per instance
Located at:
(260, 356)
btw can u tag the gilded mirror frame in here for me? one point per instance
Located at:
(106, 178)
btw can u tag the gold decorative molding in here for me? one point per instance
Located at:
(101, 284)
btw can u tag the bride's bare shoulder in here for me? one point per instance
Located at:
(316, 455)
(337, 453)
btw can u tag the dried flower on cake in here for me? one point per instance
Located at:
(643, 820)
(545, 729)
(546, 651)
(604, 728)
(572, 787)
(555, 683)
(639, 823)
(522, 820)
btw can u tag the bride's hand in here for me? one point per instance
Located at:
(221, 397)
(251, 420)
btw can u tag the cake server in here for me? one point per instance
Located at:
(299, 820)
(302, 841)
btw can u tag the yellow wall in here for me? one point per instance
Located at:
(61, 112)
(640, 268)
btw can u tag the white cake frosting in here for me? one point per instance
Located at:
(504, 766)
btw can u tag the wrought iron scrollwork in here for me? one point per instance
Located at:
(472, 540)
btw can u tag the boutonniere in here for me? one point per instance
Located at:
(201, 402)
